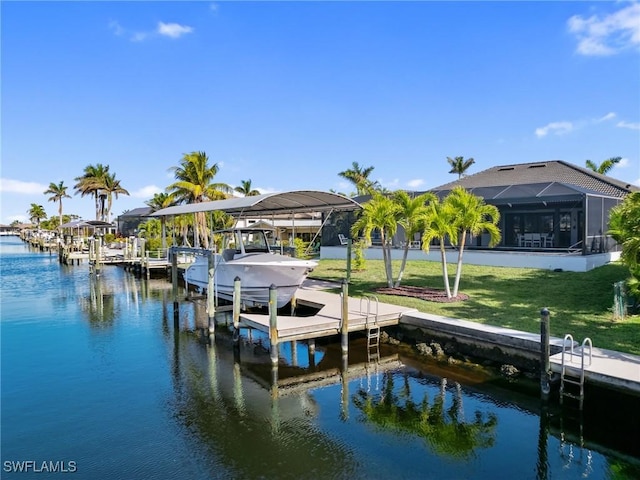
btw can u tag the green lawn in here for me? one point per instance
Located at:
(580, 303)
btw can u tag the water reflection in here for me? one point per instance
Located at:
(247, 419)
(445, 430)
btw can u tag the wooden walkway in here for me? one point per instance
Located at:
(607, 368)
(327, 321)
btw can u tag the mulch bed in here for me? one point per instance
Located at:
(424, 293)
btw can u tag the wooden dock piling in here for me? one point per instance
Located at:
(344, 325)
(545, 367)
(273, 324)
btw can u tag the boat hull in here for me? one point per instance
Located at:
(257, 273)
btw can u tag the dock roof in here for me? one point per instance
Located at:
(269, 204)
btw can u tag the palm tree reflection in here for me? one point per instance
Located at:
(444, 429)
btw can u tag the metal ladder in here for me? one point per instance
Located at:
(564, 373)
(371, 326)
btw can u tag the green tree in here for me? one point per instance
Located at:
(111, 186)
(161, 200)
(359, 177)
(624, 227)
(91, 183)
(605, 166)
(57, 192)
(36, 214)
(474, 216)
(194, 184)
(410, 216)
(245, 189)
(440, 224)
(380, 213)
(459, 165)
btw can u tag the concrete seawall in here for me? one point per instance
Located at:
(498, 344)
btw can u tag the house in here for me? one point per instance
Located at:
(129, 221)
(547, 205)
(553, 215)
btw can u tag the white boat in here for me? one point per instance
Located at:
(246, 254)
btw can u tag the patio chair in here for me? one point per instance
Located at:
(343, 240)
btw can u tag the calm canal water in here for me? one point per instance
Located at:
(97, 383)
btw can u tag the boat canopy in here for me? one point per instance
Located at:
(269, 204)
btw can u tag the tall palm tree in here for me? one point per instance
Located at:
(111, 186)
(194, 184)
(474, 216)
(245, 189)
(411, 213)
(91, 183)
(58, 192)
(379, 213)
(605, 166)
(359, 176)
(459, 165)
(36, 213)
(440, 224)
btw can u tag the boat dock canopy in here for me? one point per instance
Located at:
(269, 204)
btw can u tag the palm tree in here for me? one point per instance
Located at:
(459, 165)
(379, 213)
(474, 216)
(195, 185)
(411, 213)
(359, 176)
(91, 183)
(111, 186)
(605, 166)
(246, 190)
(440, 224)
(58, 192)
(624, 227)
(36, 213)
(161, 200)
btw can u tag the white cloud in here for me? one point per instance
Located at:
(173, 30)
(116, 28)
(608, 116)
(630, 125)
(146, 192)
(20, 218)
(415, 183)
(18, 186)
(556, 128)
(624, 162)
(607, 34)
(213, 7)
(139, 36)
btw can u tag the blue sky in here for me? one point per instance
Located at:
(288, 94)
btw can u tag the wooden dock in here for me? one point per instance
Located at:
(362, 312)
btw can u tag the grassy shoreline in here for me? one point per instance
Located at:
(580, 303)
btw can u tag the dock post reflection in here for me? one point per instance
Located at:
(344, 380)
(275, 406)
(311, 344)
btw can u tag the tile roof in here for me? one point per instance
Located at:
(540, 172)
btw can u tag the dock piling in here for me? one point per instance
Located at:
(211, 298)
(236, 310)
(545, 367)
(273, 323)
(344, 327)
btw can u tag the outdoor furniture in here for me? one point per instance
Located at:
(343, 240)
(548, 240)
(528, 240)
(536, 240)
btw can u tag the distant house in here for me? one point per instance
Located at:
(129, 221)
(547, 205)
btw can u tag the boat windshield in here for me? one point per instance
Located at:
(253, 241)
